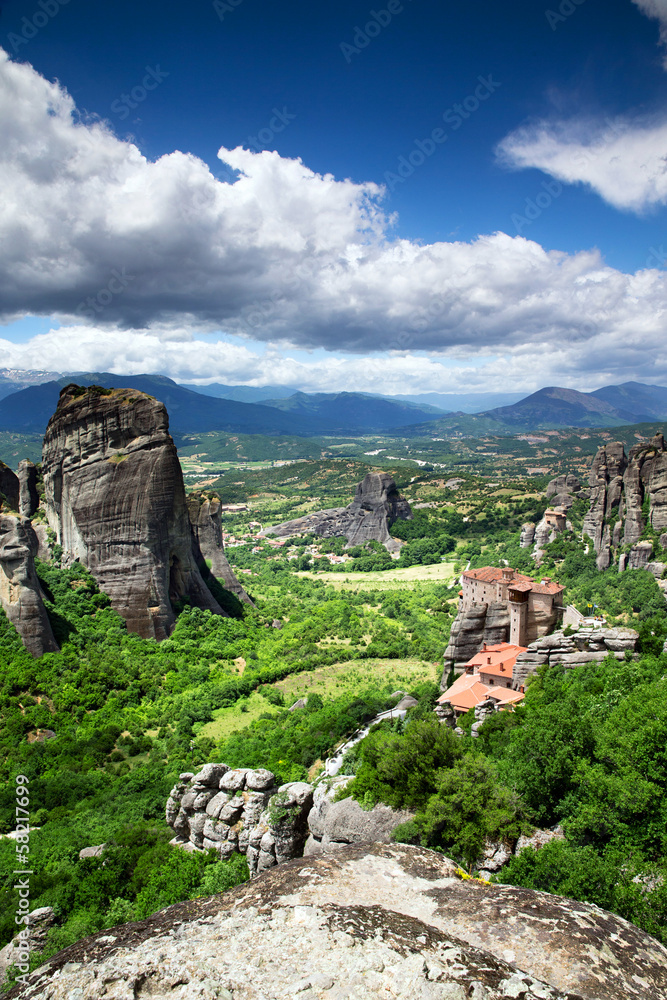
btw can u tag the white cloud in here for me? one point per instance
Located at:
(158, 250)
(625, 164)
(656, 9)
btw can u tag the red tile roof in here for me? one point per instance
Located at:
(493, 574)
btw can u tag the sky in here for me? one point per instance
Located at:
(414, 196)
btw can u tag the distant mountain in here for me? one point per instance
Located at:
(558, 407)
(242, 393)
(189, 412)
(643, 402)
(15, 379)
(353, 412)
(467, 402)
(30, 409)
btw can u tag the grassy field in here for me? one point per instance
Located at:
(389, 579)
(330, 681)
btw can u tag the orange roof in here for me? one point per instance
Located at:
(493, 574)
(488, 660)
(506, 695)
(466, 698)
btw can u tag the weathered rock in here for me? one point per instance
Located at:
(527, 535)
(20, 591)
(373, 920)
(657, 569)
(10, 489)
(287, 815)
(28, 495)
(116, 500)
(565, 484)
(640, 555)
(205, 513)
(481, 623)
(446, 714)
(620, 488)
(586, 645)
(92, 852)
(40, 921)
(376, 505)
(539, 839)
(333, 825)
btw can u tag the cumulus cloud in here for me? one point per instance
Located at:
(91, 229)
(625, 164)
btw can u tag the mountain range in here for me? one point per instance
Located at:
(278, 410)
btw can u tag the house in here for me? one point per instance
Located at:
(534, 607)
(487, 676)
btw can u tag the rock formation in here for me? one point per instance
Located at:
(481, 623)
(20, 590)
(376, 505)
(205, 514)
(335, 825)
(28, 495)
(588, 644)
(369, 921)
(240, 810)
(116, 501)
(496, 854)
(9, 488)
(624, 494)
(563, 490)
(527, 535)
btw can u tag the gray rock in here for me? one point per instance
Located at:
(92, 852)
(656, 569)
(116, 501)
(233, 780)
(211, 774)
(299, 703)
(481, 623)
(28, 495)
(205, 513)
(539, 839)
(259, 780)
(20, 590)
(405, 703)
(583, 646)
(388, 920)
(527, 535)
(376, 506)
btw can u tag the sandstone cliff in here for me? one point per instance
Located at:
(481, 623)
(116, 501)
(206, 519)
(624, 494)
(28, 496)
(20, 591)
(376, 505)
(370, 921)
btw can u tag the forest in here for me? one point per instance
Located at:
(586, 749)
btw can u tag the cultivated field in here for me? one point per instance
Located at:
(406, 578)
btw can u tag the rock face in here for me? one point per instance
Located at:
(335, 825)
(586, 645)
(481, 623)
(40, 922)
(20, 591)
(116, 501)
(496, 854)
(376, 505)
(527, 535)
(625, 492)
(9, 488)
(562, 491)
(206, 520)
(28, 495)
(370, 921)
(240, 810)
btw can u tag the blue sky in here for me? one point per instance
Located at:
(503, 225)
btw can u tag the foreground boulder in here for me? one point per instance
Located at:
(369, 921)
(376, 505)
(116, 501)
(20, 590)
